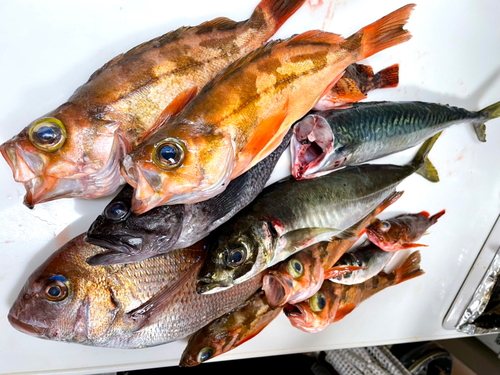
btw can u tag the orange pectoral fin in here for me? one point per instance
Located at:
(175, 106)
(260, 140)
(343, 311)
(340, 270)
(411, 245)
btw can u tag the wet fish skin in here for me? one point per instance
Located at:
(402, 231)
(229, 331)
(325, 141)
(366, 255)
(291, 215)
(285, 285)
(103, 304)
(105, 117)
(166, 228)
(339, 300)
(241, 115)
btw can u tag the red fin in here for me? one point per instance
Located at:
(409, 269)
(384, 33)
(435, 217)
(362, 232)
(171, 110)
(425, 213)
(386, 78)
(411, 245)
(316, 36)
(341, 270)
(260, 139)
(276, 12)
(343, 311)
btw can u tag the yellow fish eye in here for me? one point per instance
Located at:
(169, 153)
(295, 268)
(205, 354)
(48, 134)
(317, 302)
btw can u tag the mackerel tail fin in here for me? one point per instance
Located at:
(275, 13)
(422, 163)
(492, 111)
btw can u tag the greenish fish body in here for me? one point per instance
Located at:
(328, 140)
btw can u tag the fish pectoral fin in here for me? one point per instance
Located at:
(261, 140)
(146, 312)
(343, 311)
(175, 106)
(345, 91)
(341, 270)
(412, 245)
(299, 239)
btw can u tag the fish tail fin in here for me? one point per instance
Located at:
(434, 218)
(384, 33)
(275, 13)
(492, 111)
(422, 163)
(386, 78)
(409, 269)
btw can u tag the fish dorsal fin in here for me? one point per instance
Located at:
(217, 22)
(425, 214)
(243, 61)
(155, 306)
(315, 37)
(341, 270)
(264, 134)
(175, 106)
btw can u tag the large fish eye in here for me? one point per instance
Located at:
(48, 134)
(318, 302)
(117, 211)
(295, 268)
(236, 257)
(205, 354)
(56, 289)
(169, 153)
(385, 225)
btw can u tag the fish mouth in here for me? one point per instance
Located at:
(277, 290)
(24, 327)
(126, 244)
(294, 311)
(311, 143)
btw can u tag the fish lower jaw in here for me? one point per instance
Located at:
(25, 328)
(210, 287)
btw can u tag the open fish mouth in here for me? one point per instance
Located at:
(277, 290)
(311, 144)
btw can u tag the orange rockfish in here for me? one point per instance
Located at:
(334, 301)
(76, 149)
(240, 116)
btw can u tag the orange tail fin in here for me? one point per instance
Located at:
(275, 12)
(409, 269)
(434, 218)
(386, 78)
(384, 33)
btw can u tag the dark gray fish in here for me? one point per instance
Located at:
(130, 237)
(324, 141)
(291, 215)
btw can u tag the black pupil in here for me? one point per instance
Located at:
(206, 354)
(116, 211)
(321, 301)
(46, 134)
(54, 291)
(385, 224)
(236, 256)
(168, 153)
(297, 266)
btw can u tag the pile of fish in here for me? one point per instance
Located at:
(195, 244)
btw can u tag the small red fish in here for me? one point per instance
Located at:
(334, 301)
(402, 231)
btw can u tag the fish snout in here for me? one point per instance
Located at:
(24, 327)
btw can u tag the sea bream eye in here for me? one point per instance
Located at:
(117, 211)
(169, 154)
(236, 257)
(56, 289)
(48, 134)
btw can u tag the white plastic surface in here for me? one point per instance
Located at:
(49, 48)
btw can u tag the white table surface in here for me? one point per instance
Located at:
(49, 48)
